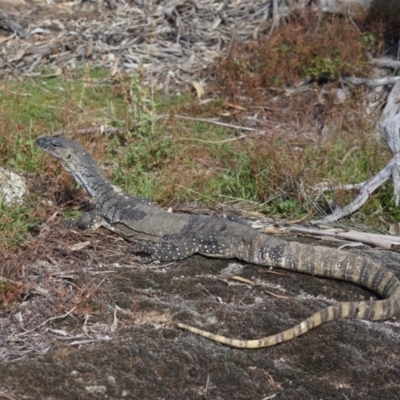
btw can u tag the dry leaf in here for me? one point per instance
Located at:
(278, 296)
(272, 231)
(60, 332)
(236, 107)
(114, 325)
(240, 279)
(394, 227)
(78, 246)
(114, 70)
(57, 72)
(199, 88)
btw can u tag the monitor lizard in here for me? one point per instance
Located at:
(166, 236)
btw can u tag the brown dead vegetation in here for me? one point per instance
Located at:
(307, 46)
(384, 19)
(287, 81)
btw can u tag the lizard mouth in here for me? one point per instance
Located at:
(51, 146)
(43, 142)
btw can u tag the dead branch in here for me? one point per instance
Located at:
(391, 170)
(210, 121)
(11, 66)
(383, 241)
(97, 129)
(386, 63)
(214, 141)
(48, 320)
(8, 24)
(390, 110)
(371, 82)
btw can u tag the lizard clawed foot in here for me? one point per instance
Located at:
(143, 251)
(71, 223)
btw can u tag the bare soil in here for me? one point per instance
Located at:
(140, 353)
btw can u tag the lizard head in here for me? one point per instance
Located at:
(59, 147)
(75, 159)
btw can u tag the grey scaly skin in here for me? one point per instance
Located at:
(165, 236)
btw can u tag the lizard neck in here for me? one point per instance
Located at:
(91, 178)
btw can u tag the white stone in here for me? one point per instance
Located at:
(12, 187)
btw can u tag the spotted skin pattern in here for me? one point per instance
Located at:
(200, 235)
(164, 236)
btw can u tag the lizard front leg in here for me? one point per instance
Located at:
(89, 220)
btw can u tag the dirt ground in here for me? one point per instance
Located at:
(141, 354)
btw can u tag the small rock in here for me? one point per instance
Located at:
(340, 96)
(111, 380)
(85, 367)
(96, 389)
(232, 269)
(12, 187)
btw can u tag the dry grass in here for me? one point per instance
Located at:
(307, 45)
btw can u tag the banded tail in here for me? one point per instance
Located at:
(323, 262)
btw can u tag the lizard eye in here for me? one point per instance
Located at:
(55, 145)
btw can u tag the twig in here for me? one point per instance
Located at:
(48, 320)
(275, 16)
(10, 65)
(211, 121)
(269, 397)
(207, 384)
(357, 29)
(8, 395)
(205, 290)
(10, 25)
(278, 296)
(200, 194)
(252, 285)
(84, 327)
(215, 141)
(100, 129)
(79, 342)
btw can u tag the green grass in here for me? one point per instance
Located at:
(16, 222)
(167, 159)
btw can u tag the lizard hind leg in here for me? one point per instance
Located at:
(169, 248)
